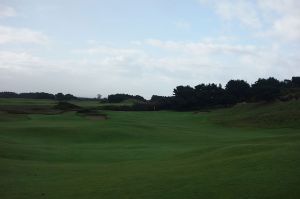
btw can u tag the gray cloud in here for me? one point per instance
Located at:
(7, 11)
(276, 18)
(21, 35)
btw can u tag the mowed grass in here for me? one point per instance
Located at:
(153, 155)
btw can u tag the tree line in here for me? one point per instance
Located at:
(38, 95)
(117, 98)
(235, 91)
(201, 96)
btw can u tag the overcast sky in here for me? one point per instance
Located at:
(144, 47)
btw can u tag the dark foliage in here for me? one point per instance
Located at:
(296, 82)
(8, 95)
(162, 102)
(41, 95)
(117, 98)
(238, 90)
(266, 89)
(185, 97)
(205, 96)
(211, 95)
(202, 96)
(62, 97)
(37, 95)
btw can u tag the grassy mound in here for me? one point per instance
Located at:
(92, 114)
(274, 115)
(8, 117)
(66, 106)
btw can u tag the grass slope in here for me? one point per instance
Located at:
(272, 115)
(163, 155)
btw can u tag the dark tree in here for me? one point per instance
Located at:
(238, 90)
(41, 95)
(185, 97)
(210, 95)
(286, 83)
(69, 97)
(162, 102)
(59, 96)
(139, 98)
(117, 98)
(8, 95)
(296, 82)
(62, 97)
(266, 89)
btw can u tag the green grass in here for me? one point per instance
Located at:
(85, 103)
(26, 102)
(272, 115)
(47, 102)
(227, 153)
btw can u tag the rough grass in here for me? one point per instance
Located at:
(26, 102)
(163, 155)
(273, 115)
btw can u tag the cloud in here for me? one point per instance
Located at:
(202, 47)
(106, 50)
(136, 70)
(203, 61)
(16, 58)
(15, 66)
(239, 10)
(219, 60)
(279, 19)
(6, 11)
(21, 71)
(286, 23)
(287, 28)
(182, 25)
(21, 35)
